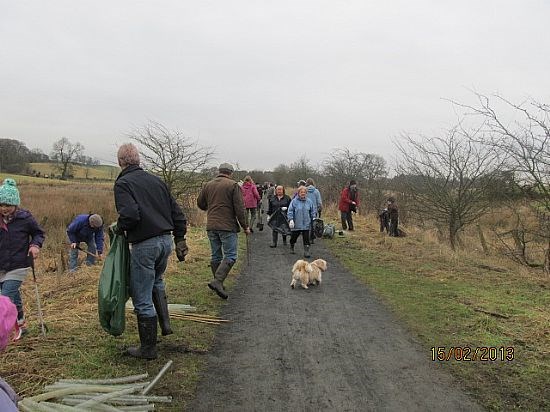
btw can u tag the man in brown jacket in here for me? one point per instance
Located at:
(222, 200)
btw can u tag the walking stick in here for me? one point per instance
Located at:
(247, 250)
(43, 326)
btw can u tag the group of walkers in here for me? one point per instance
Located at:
(149, 217)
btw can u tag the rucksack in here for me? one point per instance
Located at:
(329, 231)
(318, 227)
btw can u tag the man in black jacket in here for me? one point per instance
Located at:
(147, 214)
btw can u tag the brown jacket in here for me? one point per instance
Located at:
(222, 200)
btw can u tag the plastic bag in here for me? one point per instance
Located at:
(113, 289)
(279, 222)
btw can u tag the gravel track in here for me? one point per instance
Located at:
(333, 347)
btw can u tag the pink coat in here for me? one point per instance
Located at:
(251, 196)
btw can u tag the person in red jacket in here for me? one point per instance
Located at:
(349, 202)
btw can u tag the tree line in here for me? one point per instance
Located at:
(15, 156)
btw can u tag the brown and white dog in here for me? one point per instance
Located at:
(307, 273)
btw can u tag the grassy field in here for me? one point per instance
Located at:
(458, 300)
(76, 346)
(101, 172)
(445, 299)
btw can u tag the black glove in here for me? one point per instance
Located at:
(117, 230)
(181, 249)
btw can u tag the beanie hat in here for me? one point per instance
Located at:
(9, 194)
(95, 221)
(352, 182)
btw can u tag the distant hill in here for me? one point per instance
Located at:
(103, 172)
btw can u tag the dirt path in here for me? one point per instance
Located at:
(332, 347)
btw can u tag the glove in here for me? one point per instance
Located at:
(291, 224)
(284, 209)
(181, 249)
(117, 230)
(353, 203)
(268, 217)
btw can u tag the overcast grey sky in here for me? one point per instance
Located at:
(263, 82)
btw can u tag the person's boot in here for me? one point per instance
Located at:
(214, 267)
(273, 240)
(161, 307)
(306, 251)
(292, 248)
(284, 240)
(147, 328)
(221, 273)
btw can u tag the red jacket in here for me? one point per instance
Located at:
(251, 196)
(345, 200)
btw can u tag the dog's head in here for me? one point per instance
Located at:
(320, 263)
(301, 266)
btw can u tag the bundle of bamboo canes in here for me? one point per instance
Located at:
(188, 312)
(129, 393)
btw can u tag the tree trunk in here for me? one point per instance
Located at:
(547, 259)
(482, 240)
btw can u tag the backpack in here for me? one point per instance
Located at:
(329, 231)
(318, 227)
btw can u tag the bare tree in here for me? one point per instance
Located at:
(448, 178)
(344, 165)
(300, 169)
(525, 143)
(65, 153)
(176, 158)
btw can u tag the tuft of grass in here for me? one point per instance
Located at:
(438, 293)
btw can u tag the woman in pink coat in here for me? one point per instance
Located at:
(251, 198)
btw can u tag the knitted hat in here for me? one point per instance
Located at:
(95, 221)
(9, 194)
(226, 167)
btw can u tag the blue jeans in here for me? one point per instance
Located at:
(148, 261)
(10, 288)
(73, 255)
(223, 244)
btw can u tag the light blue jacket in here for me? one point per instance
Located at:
(314, 195)
(302, 212)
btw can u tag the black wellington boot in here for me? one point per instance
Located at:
(221, 273)
(306, 251)
(161, 307)
(274, 237)
(292, 248)
(147, 328)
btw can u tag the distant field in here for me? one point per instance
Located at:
(80, 172)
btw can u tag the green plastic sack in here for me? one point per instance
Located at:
(113, 289)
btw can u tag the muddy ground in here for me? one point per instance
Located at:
(333, 347)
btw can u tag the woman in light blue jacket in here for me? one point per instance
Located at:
(301, 213)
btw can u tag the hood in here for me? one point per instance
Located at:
(311, 189)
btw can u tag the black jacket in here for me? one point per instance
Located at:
(145, 206)
(275, 203)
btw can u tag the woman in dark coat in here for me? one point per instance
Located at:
(279, 202)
